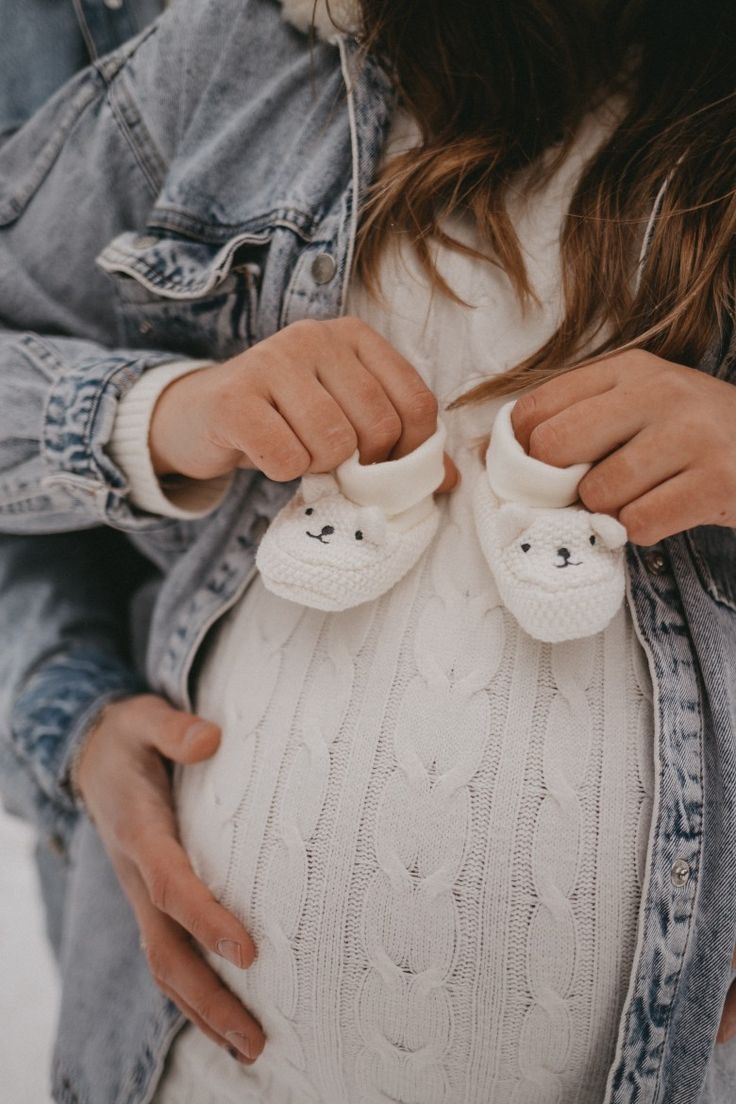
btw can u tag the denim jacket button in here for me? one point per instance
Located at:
(680, 872)
(144, 241)
(655, 563)
(113, 5)
(324, 267)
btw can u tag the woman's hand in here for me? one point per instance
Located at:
(300, 401)
(662, 439)
(727, 1030)
(125, 786)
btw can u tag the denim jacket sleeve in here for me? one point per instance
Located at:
(43, 44)
(64, 601)
(86, 167)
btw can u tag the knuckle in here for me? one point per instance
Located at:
(286, 466)
(306, 329)
(206, 1007)
(423, 406)
(592, 493)
(602, 488)
(639, 526)
(545, 443)
(524, 412)
(337, 444)
(386, 430)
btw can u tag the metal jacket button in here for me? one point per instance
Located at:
(680, 872)
(324, 267)
(655, 563)
(113, 5)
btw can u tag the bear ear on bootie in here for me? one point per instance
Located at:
(347, 537)
(559, 569)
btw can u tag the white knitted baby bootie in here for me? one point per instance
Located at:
(348, 537)
(559, 569)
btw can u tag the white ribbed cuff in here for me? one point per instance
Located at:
(128, 447)
(395, 485)
(515, 476)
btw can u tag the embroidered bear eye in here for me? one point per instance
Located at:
(525, 547)
(358, 534)
(309, 511)
(592, 540)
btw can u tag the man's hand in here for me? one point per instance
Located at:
(302, 400)
(661, 437)
(125, 787)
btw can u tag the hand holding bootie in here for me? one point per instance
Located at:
(348, 537)
(559, 569)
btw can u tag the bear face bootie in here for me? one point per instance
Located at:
(348, 537)
(559, 569)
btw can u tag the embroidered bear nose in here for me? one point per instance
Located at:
(327, 530)
(564, 552)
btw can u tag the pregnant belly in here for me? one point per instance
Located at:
(434, 832)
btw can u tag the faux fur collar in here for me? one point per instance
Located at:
(299, 12)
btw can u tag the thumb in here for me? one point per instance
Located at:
(452, 477)
(183, 737)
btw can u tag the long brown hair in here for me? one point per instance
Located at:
(496, 84)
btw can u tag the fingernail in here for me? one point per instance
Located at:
(238, 1056)
(194, 731)
(232, 951)
(244, 1045)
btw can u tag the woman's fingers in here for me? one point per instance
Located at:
(318, 420)
(191, 1015)
(182, 974)
(452, 477)
(557, 394)
(630, 472)
(587, 430)
(673, 506)
(410, 396)
(727, 1029)
(376, 421)
(174, 889)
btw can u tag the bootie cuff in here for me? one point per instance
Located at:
(395, 485)
(515, 476)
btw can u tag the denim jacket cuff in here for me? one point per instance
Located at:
(79, 418)
(55, 711)
(171, 496)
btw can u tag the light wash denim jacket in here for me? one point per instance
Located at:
(186, 196)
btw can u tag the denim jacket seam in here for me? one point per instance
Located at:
(692, 913)
(149, 161)
(93, 476)
(301, 222)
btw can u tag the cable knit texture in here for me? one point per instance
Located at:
(348, 538)
(433, 824)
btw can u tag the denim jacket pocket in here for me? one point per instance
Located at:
(713, 550)
(185, 296)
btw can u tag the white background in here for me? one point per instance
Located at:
(28, 982)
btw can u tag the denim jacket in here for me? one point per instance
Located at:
(187, 196)
(44, 42)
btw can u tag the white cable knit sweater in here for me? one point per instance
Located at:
(434, 826)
